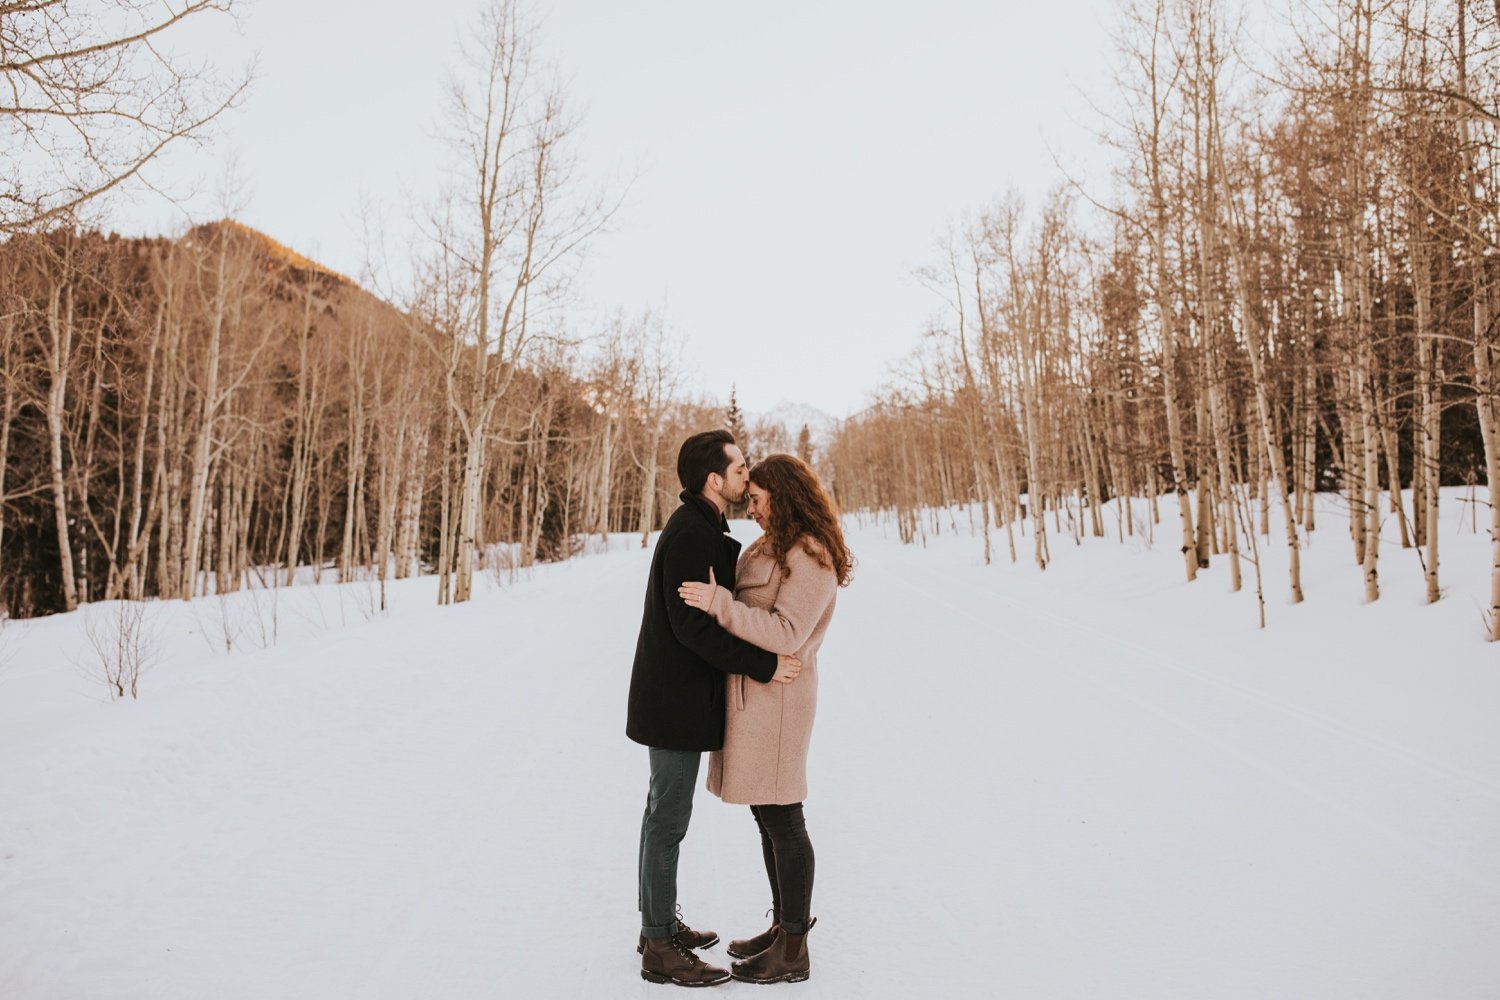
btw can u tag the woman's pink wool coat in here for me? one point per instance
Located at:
(769, 726)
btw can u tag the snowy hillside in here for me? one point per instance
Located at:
(1097, 783)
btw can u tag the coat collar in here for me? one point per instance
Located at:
(707, 508)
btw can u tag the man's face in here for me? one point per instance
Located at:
(736, 477)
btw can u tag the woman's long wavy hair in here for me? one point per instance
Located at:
(801, 512)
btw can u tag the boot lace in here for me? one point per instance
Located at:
(685, 951)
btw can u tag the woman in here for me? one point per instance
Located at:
(786, 582)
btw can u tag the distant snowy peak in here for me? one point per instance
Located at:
(791, 417)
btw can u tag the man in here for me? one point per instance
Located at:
(677, 693)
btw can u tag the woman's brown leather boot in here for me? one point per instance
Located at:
(752, 946)
(785, 961)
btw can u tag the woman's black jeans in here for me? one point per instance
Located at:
(789, 863)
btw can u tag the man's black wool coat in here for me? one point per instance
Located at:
(677, 688)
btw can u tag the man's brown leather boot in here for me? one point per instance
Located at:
(668, 960)
(752, 946)
(785, 961)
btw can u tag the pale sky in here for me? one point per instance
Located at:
(792, 163)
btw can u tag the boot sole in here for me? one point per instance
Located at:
(640, 950)
(661, 980)
(790, 977)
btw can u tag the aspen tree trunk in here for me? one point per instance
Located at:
(1165, 317)
(206, 419)
(538, 453)
(470, 490)
(134, 543)
(1486, 389)
(1372, 496)
(1206, 512)
(1418, 480)
(1272, 446)
(1093, 476)
(1298, 429)
(1205, 112)
(170, 445)
(1356, 242)
(1309, 457)
(1362, 383)
(1175, 445)
(1353, 465)
(413, 488)
(1226, 477)
(1386, 415)
(1030, 322)
(648, 486)
(93, 375)
(1370, 435)
(1035, 494)
(304, 436)
(391, 427)
(606, 476)
(1262, 479)
(1009, 500)
(359, 351)
(1255, 348)
(1487, 400)
(58, 357)
(224, 579)
(6, 413)
(1426, 467)
(8, 379)
(245, 476)
(445, 508)
(541, 497)
(976, 427)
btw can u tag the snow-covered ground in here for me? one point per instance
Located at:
(1099, 782)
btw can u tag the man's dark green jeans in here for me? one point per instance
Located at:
(669, 806)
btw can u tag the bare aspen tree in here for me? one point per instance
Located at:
(223, 284)
(1268, 441)
(11, 381)
(612, 386)
(655, 385)
(1202, 93)
(1152, 132)
(307, 418)
(57, 343)
(510, 228)
(357, 364)
(91, 93)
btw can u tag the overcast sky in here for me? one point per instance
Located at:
(792, 163)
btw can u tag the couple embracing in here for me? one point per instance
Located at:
(727, 663)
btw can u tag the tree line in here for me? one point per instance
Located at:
(195, 415)
(1293, 289)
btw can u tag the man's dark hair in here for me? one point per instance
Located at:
(701, 454)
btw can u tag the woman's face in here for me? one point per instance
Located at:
(760, 506)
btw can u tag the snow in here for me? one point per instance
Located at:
(1094, 782)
